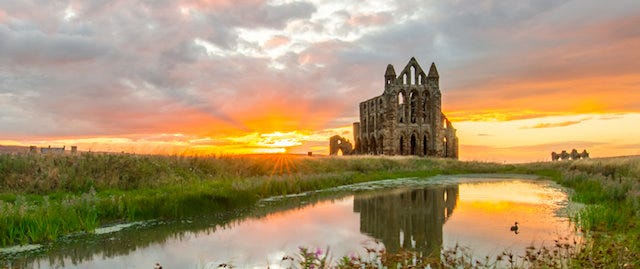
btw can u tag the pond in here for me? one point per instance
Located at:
(420, 215)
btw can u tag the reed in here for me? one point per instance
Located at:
(43, 197)
(562, 254)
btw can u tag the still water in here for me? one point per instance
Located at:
(427, 216)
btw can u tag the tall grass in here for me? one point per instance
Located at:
(610, 189)
(45, 196)
(24, 222)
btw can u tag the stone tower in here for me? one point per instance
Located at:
(407, 118)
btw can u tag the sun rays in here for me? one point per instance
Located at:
(283, 164)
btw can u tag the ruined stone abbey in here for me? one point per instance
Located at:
(407, 118)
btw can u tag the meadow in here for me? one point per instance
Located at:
(44, 197)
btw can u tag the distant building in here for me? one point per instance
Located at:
(52, 150)
(407, 118)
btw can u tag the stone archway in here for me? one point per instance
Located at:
(402, 104)
(446, 147)
(339, 144)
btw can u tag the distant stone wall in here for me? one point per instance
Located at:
(574, 155)
(52, 150)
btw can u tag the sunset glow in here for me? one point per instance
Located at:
(518, 79)
(527, 202)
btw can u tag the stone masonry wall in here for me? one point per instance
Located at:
(407, 118)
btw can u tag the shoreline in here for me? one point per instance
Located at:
(46, 197)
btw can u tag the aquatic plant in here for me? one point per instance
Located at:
(564, 253)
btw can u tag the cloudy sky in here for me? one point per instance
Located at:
(519, 78)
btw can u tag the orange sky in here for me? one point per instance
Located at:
(519, 80)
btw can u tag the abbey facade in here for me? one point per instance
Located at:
(407, 118)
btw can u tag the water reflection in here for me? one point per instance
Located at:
(84, 249)
(423, 218)
(486, 211)
(407, 219)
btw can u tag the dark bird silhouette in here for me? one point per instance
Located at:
(514, 228)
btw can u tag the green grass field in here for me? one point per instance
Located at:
(43, 197)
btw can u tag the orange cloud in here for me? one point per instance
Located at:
(532, 98)
(3, 16)
(269, 106)
(555, 124)
(277, 41)
(569, 71)
(369, 19)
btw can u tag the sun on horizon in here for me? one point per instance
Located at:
(518, 80)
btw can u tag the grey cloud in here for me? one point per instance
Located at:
(33, 47)
(184, 52)
(459, 30)
(222, 23)
(152, 43)
(147, 44)
(95, 8)
(264, 15)
(278, 16)
(221, 35)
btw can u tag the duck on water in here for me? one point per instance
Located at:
(514, 228)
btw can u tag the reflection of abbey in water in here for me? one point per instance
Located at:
(408, 219)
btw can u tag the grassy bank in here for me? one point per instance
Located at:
(45, 196)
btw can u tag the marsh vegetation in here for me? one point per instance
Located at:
(44, 197)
